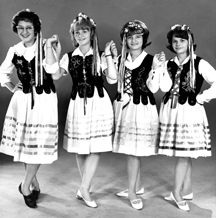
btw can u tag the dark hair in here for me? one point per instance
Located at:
(132, 29)
(180, 33)
(28, 16)
(82, 24)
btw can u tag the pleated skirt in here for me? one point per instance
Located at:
(31, 135)
(136, 128)
(89, 127)
(184, 131)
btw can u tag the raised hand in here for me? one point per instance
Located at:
(114, 50)
(53, 40)
(55, 44)
(110, 48)
(159, 60)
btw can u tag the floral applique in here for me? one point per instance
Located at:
(20, 65)
(76, 61)
(88, 61)
(20, 62)
(186, 83)
(141, 81)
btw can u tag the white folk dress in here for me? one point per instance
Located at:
(89, 132)
(136, 125)
(184, 130)
(29, 134)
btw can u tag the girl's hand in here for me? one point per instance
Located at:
(113, 49)
(110, 48)
(107, 49)
(55, 44)
(53, 39)
(52, 42)
(17, 87)
(159, 60)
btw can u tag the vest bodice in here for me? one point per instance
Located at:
(186, 92)
(84, 83)
(26, 75)
(135, 82)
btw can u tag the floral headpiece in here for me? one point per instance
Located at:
(182, 27)
(85, 17)
(134, 27)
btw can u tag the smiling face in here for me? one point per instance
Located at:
(135, 41)
(82, 36)
(180, 45)
(26, 32)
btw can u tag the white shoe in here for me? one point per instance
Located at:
(137, 204)
(188, 197)
(79, 195)
(88, 203)
(182, 205)
(125, 193)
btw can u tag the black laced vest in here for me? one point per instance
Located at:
(84, 82)
(138, 78)
(26, 75)
(185, 91)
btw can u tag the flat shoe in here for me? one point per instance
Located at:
(125, 193)
(188, 197)
(78, 195)
(137, 204)
(29, 199)
(35, 194)
(182, 205)
(91, 204)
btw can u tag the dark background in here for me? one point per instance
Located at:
(110, 16)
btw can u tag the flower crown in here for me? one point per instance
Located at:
(85, 17)
(182, 27)
(134, 27)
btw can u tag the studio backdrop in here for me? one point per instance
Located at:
(110, 16)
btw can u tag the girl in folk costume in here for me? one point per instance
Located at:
(89, 123)
(184, 130)
(30, 131)
(136, 117)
